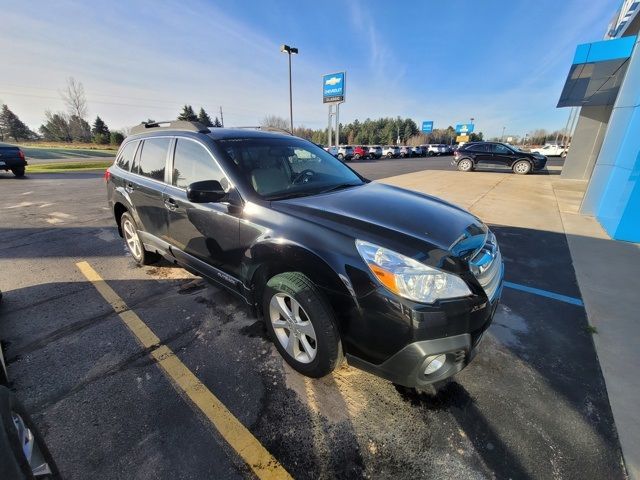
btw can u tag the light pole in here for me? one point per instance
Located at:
(502, 136)
(290, 51)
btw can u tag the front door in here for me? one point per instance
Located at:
(205, 234)
(502, 155)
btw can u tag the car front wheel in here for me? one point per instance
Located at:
(522, 167)
(465, 165)
(301, 324)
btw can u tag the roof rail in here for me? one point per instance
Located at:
(171, 125)
(267, 129)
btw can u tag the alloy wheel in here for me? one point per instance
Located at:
(132, 239)
(293, 328)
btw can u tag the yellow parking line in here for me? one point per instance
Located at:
(263, 464)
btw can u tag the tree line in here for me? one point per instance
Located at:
(383, 131)
(71, 125)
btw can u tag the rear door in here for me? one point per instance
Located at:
(145, 188)
(481, 153)
(206, 233)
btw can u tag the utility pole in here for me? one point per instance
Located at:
(290, 51)
(221, 117)
(502, 136)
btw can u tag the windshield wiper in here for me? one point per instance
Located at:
(284, 196)
(340, 186)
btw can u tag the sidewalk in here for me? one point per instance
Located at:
(606, 270)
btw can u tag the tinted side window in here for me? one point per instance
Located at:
(153, 157)
(477, 147)
(125, 159)
(193, 163)
(501, 149)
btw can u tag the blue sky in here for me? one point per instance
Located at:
(501, 62)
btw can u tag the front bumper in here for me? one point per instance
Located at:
(407, 367)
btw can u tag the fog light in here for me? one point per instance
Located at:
(435, 363)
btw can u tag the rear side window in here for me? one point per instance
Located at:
(125, 159)
(193, 163)
(478, 147)
(153, 157)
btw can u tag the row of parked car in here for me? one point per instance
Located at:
(360, 152)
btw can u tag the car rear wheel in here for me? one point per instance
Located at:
(389, 155)
(522, 167)
(133, 242)
(465, 165)
(18, 172)
(340, 157)
(356, 156)
(301, 324)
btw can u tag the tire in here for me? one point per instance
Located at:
(356, 156)
(563, 155)
(291, 292)
(465, 165)
(18, 172)
(133, 242)
(10, 411)
(521, 167)
(389, 155)
(340, 157)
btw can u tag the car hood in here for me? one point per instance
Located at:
(411, 222)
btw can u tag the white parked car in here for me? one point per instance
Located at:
(345, 152)
(332, 150)
(405, 152)
(435, 149)
(551, 150)
(375, 151)
(417, 151)
(391, 151)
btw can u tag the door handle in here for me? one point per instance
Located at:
(129, 187)
(170, 203)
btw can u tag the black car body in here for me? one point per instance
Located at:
(12, 158)
(475, 154)
(242, 239)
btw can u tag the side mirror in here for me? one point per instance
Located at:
(205, 192)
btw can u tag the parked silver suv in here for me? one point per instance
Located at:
(391, 151)
(345, 152)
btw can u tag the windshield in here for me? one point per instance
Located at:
(280, 168)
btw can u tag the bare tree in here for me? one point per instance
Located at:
(75, 99)
(275, 122)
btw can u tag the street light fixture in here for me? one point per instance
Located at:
(290, 51)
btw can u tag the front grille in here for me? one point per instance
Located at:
(487, 266)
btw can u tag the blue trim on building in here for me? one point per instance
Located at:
(604, 50)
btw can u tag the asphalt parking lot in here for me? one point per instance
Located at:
(532, 404)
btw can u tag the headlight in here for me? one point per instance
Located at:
(409, 278)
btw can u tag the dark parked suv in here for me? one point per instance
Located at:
(471, 155)
(12, 158)
(402, 284)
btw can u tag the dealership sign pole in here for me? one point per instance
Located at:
(333, 93)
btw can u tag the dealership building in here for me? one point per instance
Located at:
(604, 83)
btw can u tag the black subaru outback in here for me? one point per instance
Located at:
(402, 284)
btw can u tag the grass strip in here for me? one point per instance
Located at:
(63, 167)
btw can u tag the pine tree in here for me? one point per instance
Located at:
(12, 127)
(188, 114)
(217, 123)
(100, 131)
(203, 118)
